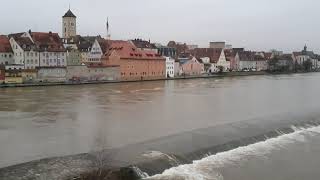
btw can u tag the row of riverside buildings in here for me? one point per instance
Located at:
(38, 57)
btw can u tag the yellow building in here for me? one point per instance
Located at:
(13, 76)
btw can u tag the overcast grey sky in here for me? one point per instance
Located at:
(255, 24)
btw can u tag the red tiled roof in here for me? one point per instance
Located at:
(127, 50)
(212, 53)
(25, 43)
(246, 56)
(5, 44)
(48, 41)
(230, 54)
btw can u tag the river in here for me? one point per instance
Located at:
(42, 122)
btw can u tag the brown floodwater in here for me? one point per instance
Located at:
(41, 122)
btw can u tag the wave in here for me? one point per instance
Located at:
(207, 167)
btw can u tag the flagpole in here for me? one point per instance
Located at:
(108, 35)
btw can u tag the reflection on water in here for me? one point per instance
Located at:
(39, 122)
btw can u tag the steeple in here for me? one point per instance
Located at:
(69, 14)
(69, 24)
(305, 48)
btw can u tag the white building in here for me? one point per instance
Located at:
(69, 25)
(305, 55)
(97, 50)
(170, 63)
(222, 62)
(6, 53)
(25, 51)
(38, 49)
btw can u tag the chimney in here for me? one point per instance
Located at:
(30, 31)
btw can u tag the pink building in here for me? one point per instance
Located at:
(191, 67)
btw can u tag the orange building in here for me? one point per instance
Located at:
(135, 64)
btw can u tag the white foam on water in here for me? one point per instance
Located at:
(158, 154)
(207, 168)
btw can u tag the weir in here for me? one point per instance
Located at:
(154, 157)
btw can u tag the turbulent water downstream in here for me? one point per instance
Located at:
(257, 127)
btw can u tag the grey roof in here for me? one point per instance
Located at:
(69, 14)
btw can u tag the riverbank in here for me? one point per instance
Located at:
(226, 74)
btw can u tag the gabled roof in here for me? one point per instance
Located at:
(104, 44)
(5, 46)
(47, 41)
(127, 50)
(69, 14)
(246, 56)
(230, 54)
(212, 53)
(25, 43)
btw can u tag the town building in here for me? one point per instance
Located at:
(217, 45)
(217, 58)
(192, 46)
(37, 49)
(25, 52)
(51, 50)
(182, 50)
(13, 74)
(6, 53)
(73, 57)
(177, 71)
(144, 45)
(166, 51)
(98, 49)
(2, 74)
(170, 67)
(300, 58)
(191, 67)
(135, 63)
(247, 61)
(79, 48)
(69, 25)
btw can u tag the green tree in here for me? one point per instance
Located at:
(307, 65)
(273, 64)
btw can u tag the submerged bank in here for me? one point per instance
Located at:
(227, 74)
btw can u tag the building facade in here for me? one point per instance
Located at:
(217, 45)
(135, 64)
(37, 49)
(6, 53)
(192, 67)
(170, 62)
(13, 74)
(2, 74)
